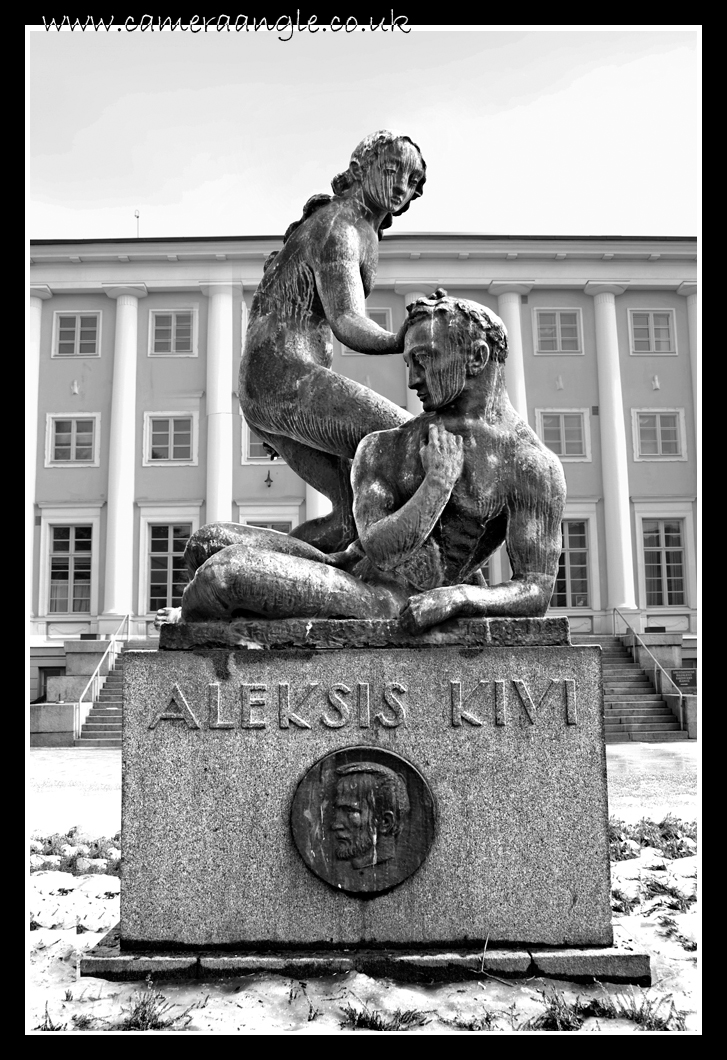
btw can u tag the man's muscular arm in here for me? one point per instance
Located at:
(533, 545)
(388, 535)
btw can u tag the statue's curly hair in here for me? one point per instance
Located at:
(364, 153)
(469, 320)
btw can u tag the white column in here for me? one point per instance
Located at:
(614, 462)
(508, 307)
(38, 294)
(118, 597)
(410, 292)
(689, 290)
(219, 401)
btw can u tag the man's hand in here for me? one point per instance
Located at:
(443, 457)
(431, 608)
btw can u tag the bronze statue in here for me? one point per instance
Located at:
(317, 285)
(433, 499)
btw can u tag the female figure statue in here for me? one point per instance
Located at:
(315, 286)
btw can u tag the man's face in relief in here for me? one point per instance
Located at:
(353, 826)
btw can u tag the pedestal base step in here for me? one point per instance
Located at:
(606, 964)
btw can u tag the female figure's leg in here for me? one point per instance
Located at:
(317, 434)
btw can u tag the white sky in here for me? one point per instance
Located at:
(592, 131)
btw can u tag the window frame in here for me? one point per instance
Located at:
(585, 511)
(585, 413)
(194, 310)
(345, 352)
(194, 438)
(674, 352)
(158, 515)
(269, 513)
(57, 314)
(51, 418)
(659, 458)
(257, 461)
(56, 515)
(581, 352)
(670, 510)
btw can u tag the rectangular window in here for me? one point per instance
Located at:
(72, 441)
(172, 334)
(77, 335)
(70, 569)
(652, 331)
(171, 439)
(571, 583)
(563, 433)
(167, 570)
(557, 331)
(659, 434)
(382, 317)
(664, 562)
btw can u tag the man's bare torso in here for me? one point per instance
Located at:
(503, 465)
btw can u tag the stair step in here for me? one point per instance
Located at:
(646, 726)
(92, 744)
(645, 737)
(637, 712)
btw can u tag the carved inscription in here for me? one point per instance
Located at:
(363, 706)
(362, 819)
(181, 711)
(463, 705)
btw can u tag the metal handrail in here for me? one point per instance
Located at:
(657, 664)
(96, 681)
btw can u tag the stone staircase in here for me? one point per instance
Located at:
(633, 709)
(102, 727)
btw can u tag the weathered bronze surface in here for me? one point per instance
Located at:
(363, 820)
(433, 500)
(312, 289)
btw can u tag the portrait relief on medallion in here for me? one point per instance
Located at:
(363, 820)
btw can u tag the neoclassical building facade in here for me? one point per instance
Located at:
(134, 436)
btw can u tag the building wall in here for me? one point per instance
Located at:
(185, 275)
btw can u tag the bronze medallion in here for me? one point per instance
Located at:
(363, 820)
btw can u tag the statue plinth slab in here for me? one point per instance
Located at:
(387, 797)
(363, 633)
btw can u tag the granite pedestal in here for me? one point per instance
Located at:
(507, 739)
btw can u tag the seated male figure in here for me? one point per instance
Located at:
(433, 499)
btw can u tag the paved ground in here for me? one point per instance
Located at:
(73, 786)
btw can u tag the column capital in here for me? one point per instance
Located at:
(210, 287)
(40, 290)
(595, 287)
(136, 290)
(687, 288)
(498, 287)
(425, 287)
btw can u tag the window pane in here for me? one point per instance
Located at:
(573, 429)
(576, 532)
(181, 536)
(61, 538)
(672, 534)
(552, 433)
